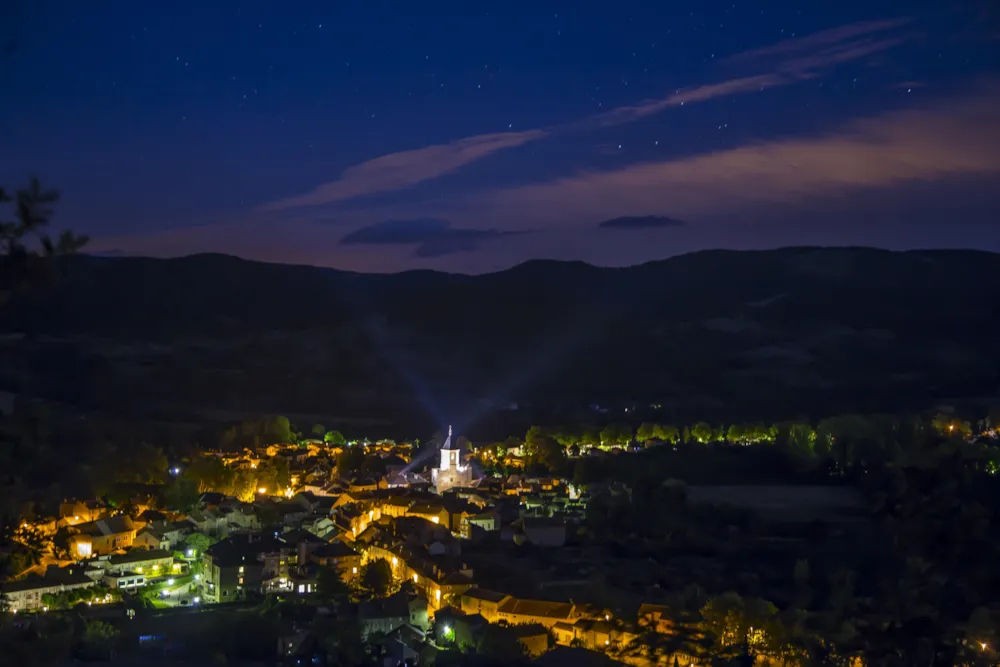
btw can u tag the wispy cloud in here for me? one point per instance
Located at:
(407, 168)
(431, 237)
(632, 113)
(894, 149)
(819, 40)
(800, 59)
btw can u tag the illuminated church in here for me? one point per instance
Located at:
(452, 471)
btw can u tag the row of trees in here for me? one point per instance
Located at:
(846, 440)
(71, 598)
(274, 429)
(209, 473)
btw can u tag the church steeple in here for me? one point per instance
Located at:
(447, 443)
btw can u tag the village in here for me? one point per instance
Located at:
(449, 535)
(657, 546)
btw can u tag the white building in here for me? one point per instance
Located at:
(26, 594)
(452, 471)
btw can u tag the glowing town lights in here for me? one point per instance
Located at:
(170, 582)
(983, 646)
(354, 570)
(437, 595)
(394, 561)
(190, 553)
(415, 578)
(196, 600)
(262, 489)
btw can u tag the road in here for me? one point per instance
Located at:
(179, 591)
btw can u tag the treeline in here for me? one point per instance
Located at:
(843, 442)
(274, 429)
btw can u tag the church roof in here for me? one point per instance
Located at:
(448, 444)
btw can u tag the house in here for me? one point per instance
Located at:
(238, 518)
(125, 580)
(151, 563)
(418, 607)
(235, 566)
(433, 513)
(302, 543)
(488, 521)
(452, 627)
(205, 522)
(150, 538)
(320, 525)
(483, 602)
(292, 513)
(26, 594)
(516, 612)
(655, 618)
(75, 512)
(383, 616)
(339, 556)
(594, 635)
(534, 637)
(101, 537)
(402, 646)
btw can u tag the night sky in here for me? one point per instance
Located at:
(470, 136)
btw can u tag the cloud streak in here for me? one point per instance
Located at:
(819, 40)
(803, 57)
(885, 151)
(397, 171)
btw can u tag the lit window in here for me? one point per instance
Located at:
(241, 569)
(302, 588)
(354, 570)
(415, 578)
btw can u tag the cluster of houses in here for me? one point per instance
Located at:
(417, 522)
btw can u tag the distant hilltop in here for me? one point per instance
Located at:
(760, 334)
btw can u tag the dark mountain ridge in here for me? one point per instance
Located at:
(761, 334)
